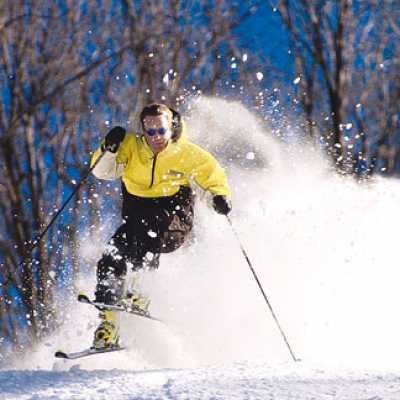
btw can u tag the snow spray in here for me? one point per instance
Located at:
(323, 247)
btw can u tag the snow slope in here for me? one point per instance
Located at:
(238, 381)
(325, 249)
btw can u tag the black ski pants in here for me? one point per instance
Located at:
(151, 226)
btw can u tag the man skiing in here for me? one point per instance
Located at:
(156, 168)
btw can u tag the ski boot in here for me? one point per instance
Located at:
(106, 335)
(137, 302)
(134, 300)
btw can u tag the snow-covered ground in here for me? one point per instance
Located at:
(325, 250)
(237, 381)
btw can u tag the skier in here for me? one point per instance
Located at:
(156, 168)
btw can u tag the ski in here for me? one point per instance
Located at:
(116, 307)
(85, 353)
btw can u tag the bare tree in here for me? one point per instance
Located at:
(378, 86)
(64, 70)
(41, 71)
(338, 47)
(177, 48)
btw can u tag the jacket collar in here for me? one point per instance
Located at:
(172, 146)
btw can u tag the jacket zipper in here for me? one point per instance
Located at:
(153, 170)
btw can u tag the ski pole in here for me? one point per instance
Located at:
(39, 237)
(262, 290)
(34, 242)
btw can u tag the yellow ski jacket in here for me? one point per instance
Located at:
(147, 175)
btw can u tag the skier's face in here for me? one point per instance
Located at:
(157, 131)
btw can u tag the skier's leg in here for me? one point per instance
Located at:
(144, 243)
(144, 254)
(111, 269)
(107, 333)
(110, 283)
(111, 272)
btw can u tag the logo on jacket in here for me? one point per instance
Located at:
(177, 174)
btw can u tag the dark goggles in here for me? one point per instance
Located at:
(152, 132)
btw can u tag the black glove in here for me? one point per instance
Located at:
(222, 205)
(113, 139)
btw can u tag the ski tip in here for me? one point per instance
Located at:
(83, 298)
(60, 354)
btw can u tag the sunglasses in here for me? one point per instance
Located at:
(152, 132)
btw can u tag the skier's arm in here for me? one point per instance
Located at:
(113, 163)
(207, 172)
(210, 176)
(108, 168)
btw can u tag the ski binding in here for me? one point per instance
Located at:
(83, 298)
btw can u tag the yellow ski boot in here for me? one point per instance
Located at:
(107, 333)
(135, 300)
(138, 302)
